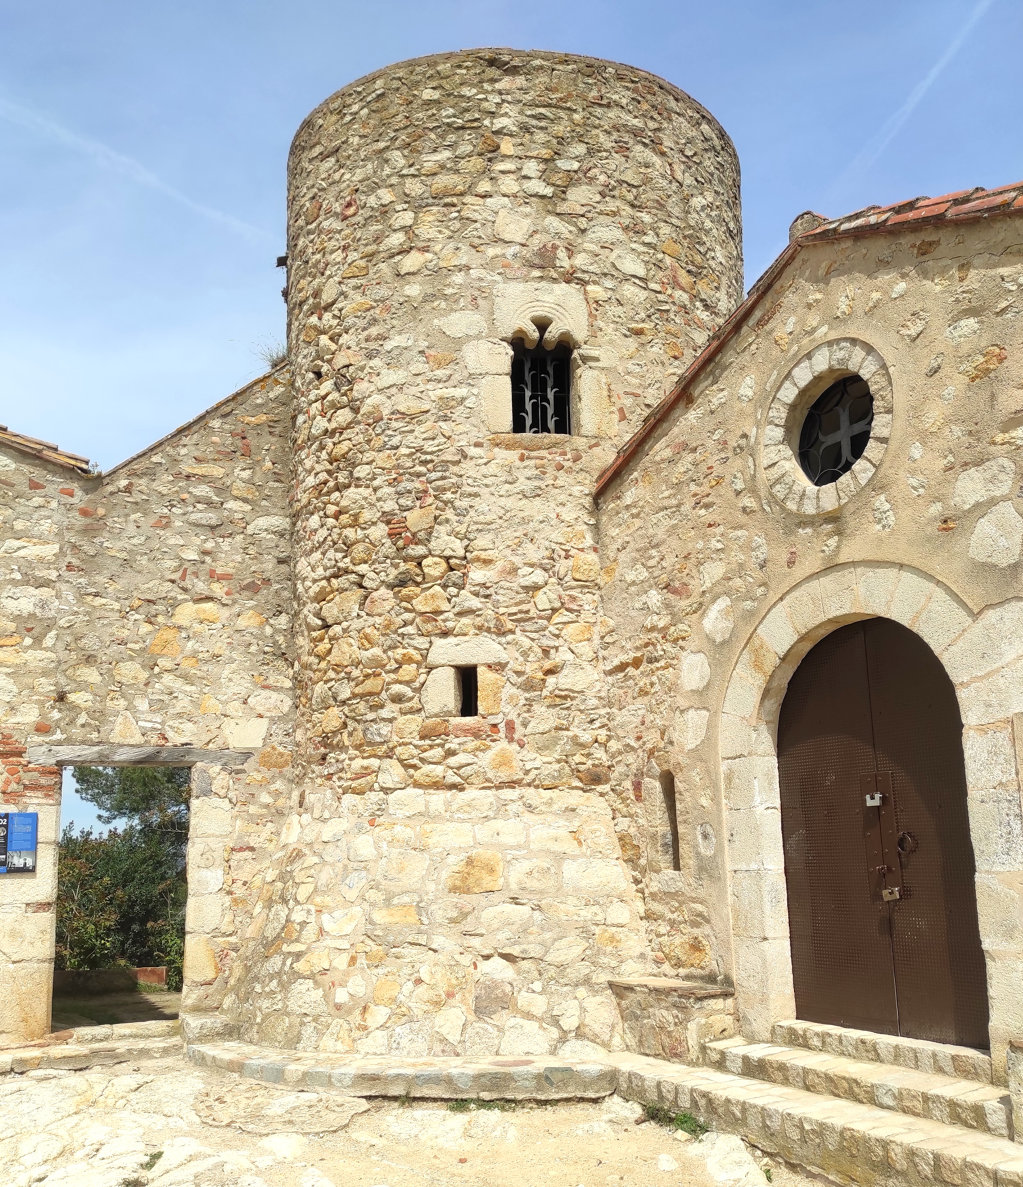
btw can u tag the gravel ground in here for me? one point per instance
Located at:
(166, 1122)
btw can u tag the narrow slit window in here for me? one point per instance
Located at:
(541, 389)
(668, 795)
(468, 683)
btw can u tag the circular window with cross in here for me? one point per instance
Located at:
(827, 426)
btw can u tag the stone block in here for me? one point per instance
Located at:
(672, 1019)
(990, 480)
(993, 639)
(464, 651)
(441, 695)
(476, 873)
(26, 937)
(998, 537)
(759, 904)
(200, 962)
(594, 877)
(990, 757)
(996, 828)
(1015, 1077)
(993, 698)
(496, 394)
(755, 839)
(25, 990)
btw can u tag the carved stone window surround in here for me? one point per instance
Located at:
(560, 313)
(805, 381)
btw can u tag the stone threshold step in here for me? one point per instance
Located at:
(843, 1140)
(155, 1028)
(950, 1100)
(527, 1077)
(942, 1059)
(78, 1057)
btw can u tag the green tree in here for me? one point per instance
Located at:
(153, 798)
(122, 896)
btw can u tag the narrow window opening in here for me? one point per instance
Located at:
(668, 795)
(541, 388)
(468, 683)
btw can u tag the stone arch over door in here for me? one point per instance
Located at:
(983, 656)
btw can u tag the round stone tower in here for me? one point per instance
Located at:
(450, 880)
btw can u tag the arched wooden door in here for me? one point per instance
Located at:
(878, 860)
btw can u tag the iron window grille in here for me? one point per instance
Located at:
(836, 430)
(541, 389)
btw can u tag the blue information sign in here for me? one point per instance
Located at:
(18, 834)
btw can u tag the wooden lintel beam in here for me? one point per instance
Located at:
(134, 756)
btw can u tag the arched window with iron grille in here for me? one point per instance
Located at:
(541, 388)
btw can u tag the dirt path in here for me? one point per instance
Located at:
(103, 1008)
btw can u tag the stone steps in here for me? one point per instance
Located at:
(525, 1077)
(941, 1059)
(950, 1100)
(78, 1057)
(844, 1140)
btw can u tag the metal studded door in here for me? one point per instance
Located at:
(878, 861)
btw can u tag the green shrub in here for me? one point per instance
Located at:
(121, 899)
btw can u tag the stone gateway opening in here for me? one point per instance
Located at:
(879, 865)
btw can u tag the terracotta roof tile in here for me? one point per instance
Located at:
(928, 211)
(990, 202)
(44, 449)
(960, 204)
(974, 203)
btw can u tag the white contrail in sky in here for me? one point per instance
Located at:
(36, 121)
(893, 125)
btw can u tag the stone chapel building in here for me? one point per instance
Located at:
(570, 654)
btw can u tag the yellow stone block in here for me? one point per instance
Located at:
(585, 566)
(406, 916)
(165, 642)
(490, 687)
(433, 601)
(477, 873)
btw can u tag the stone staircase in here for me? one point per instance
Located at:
(951, 1084)
(860, 1108)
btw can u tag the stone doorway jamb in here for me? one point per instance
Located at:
(983, 655)
(27, 901)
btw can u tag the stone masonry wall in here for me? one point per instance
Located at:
(152, 605)
(455, 884)
(34, 495)
(697, 546)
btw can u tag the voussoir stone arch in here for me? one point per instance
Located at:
(983, 656)
(811, 375)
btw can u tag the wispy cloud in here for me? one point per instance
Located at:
(104, 155)
(893, 125)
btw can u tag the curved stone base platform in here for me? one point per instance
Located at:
(526, 1077)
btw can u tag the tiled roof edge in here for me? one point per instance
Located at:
(45, 450)
(961, 206)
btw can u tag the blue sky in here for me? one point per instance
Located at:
(143, 151)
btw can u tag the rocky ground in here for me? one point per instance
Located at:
(164, 1122)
